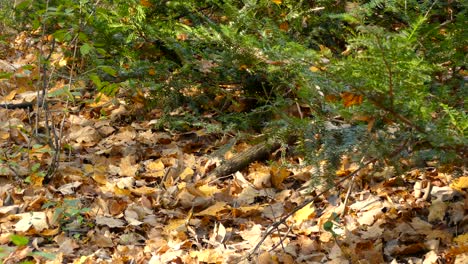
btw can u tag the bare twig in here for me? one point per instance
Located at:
(283, 219)
(351, 184)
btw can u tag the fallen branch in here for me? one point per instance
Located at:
(26, 105)
(243, 159)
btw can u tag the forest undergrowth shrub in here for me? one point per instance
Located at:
(374, 74)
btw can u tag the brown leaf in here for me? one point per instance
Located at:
(128, 167)
(278, 175)
(116, 206)
(109, 221)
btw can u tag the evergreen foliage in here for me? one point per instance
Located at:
(405, 60)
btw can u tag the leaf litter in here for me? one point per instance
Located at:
(126, 193)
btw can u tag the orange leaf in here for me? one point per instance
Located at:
(243, 67)
(182, 37)
(186, 21)
(350, 99)
(36, 179)
(145, 3)
(284, 26)
(369, 119)
(331, 98)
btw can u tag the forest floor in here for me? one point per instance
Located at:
(122, 191)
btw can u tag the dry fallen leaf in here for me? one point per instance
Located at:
(38, 220)
(213, 210)
(304, 214)
(460, 184)
(109, 221)
(437, 211)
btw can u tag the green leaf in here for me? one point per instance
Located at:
(62, 35)
(23, 5)
(96, 80)
(109, 70)
(85, 49)
(19, 240)
(46, 255)
(327, 226)
(35, 167)
(5, 75)
(48, 204)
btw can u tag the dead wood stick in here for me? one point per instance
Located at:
(243, 159)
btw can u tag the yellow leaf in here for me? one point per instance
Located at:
(155, 169)
(304, 214)
(186, 21)
(36, 179)
(460, 183)
(213, 210)
(243, 67)
(4, 135)
(342, 172)
(461, 239)
(155, 165)
(143, 190)
(278, 2)
(186, 174)
(208, 255)
(314, 69)
(249, 208)
(209, 191)
(324, 49)
(178, 225)
(62, 62)
(101, 99)
(120, 191)
(10, 96)
(346, 52)
(99, 177)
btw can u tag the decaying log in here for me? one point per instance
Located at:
(242, 160)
